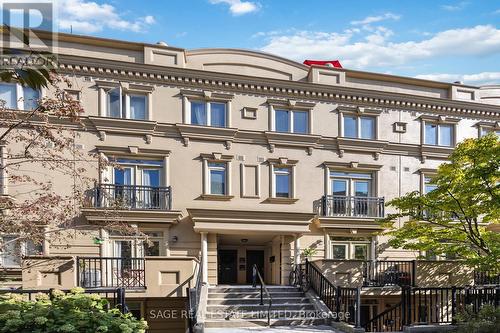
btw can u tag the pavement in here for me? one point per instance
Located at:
(285, 329)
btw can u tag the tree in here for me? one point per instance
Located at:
(454, 218)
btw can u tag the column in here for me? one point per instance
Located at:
(327, 245)
(3, 170)
(296, 250)
(204, 257)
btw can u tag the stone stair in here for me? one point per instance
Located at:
(239, 306)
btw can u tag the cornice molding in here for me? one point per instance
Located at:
(266, 86)
(223, 134)
(132, 150)
(104, 125)
(132, 216)
(353, 165)
(307, 141)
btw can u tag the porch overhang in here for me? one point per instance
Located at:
(250, 222)
(97, 215)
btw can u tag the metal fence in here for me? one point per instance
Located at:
(110, 272)
(338, 205)
(131, 197)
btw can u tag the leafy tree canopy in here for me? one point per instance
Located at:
(459, 217)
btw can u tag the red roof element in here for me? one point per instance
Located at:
(331, 63)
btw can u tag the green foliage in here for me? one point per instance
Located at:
(487, 320)
(309, 252)
(72, 312)
(453, 218)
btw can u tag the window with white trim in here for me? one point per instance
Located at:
(438, 134)
(485, 130)
(19, 97)
(345, 248)
(291, 121)
(359, 127)
(153, 246)
(217, 174)
(205, 113)
(354, 184)
(13, 251)
(126, 105)
(282, 182)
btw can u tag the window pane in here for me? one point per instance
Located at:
(30, 98)
(33, 248)
(138, 107)
(218, 182)
(350, 127)
(300, 122)
(361, 251)
(282, 121)
(114, 103)
(152, 248)
(8, 95)
(430, 134)
(218, 114)
(282, 184)
(339, 187)
(428, 186)
(198, 113)
(361, 188)
(445, 135)
(151, 177)
(11, 252)
(484, 131)
(367, 127)
(123, 176)
(339, 251)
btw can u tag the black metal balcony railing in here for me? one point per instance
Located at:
(110, 272)
(388, 272)
(339, 205)
(131, 197)
(486, 278)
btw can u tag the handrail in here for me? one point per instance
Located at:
(263, 288)
(193, 295)
(377, 323)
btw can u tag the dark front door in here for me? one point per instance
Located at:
(227, 267)
(254, 257)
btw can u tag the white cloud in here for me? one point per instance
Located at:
(474, 79)
(88, 16)
(238, 7)
(455, 7)
(374, 19)
(375, 49)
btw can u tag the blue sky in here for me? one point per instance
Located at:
(444, 40)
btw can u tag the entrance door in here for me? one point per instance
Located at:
(254, 257)
(228, 273)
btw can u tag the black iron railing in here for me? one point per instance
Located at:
(110, 272)
(432, 306)
(389, 272)
(115, 297)
(343, 302)
(486, 278)
(338, 205)
(193, 295)
(257, 278)
(131, 197)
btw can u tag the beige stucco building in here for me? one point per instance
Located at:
(232, 158)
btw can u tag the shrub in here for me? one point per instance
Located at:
(487, 320)
(64, 313)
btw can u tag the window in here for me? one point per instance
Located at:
(428, 185)
(291, 121)
(126, 105)
(217, 178)
(351, 184)
(484, 130)
(347, 248)
(13, 250)
(351, 195)
(361, 127)
(208, 113)
(438, 134)
(137, 184)
(282, 181)
(153, 245)
(17, 97)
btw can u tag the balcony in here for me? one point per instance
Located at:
(108, 272)
(131, 197)
(486, 278)
(388, 273)
(348, 206)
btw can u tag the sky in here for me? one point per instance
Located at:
(439, 40)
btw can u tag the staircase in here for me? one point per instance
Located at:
(239, 306)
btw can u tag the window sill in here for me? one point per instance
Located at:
(284, 201)
(216, 197)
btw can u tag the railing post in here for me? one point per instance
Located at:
(358, 307)
(120, 297)
(453, 304)
(169, 198)
(261, 294)
(78, 272)
(323, 205)
(414, 273)
(338, 292)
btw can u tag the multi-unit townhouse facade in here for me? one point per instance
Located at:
(230, 158)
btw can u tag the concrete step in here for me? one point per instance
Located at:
(262, 314)
(221, 323)
(257, 307)
(245, 301)
(256, 295)
(240, 289)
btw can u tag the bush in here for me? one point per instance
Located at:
(64, 313)
(487, 320)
